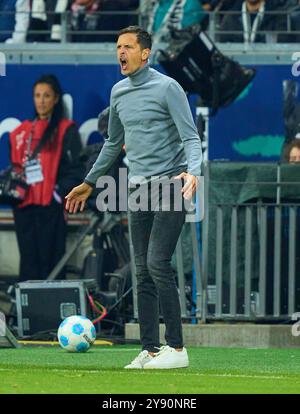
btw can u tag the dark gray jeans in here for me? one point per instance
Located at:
(154, 237)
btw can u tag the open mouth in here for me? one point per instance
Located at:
(123, 63)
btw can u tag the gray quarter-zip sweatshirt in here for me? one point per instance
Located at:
(150, 113)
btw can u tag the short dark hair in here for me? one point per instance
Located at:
(143, 37)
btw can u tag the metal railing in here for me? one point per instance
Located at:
(250, 251)
(64, 29)
(190, 292)
(290, 19)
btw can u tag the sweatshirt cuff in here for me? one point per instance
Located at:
(89, 183)
(196, 173)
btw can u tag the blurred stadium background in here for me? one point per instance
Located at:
(238, 270)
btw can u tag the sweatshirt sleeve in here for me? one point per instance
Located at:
(180, 111)
(110, 150)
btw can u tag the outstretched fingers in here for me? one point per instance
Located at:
(190, 185)
(68, 203)
(74, 203)
(189, 188)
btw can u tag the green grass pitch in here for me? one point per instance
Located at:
(51, 370)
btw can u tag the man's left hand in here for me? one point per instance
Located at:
(190, 185)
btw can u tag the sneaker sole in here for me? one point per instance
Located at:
(181, 366)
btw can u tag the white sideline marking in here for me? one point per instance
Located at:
(86, 371)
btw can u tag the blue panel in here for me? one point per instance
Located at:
(89, 86)
(250, 129)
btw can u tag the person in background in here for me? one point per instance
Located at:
(218, 5)
(45, 20)
(291, 150)
(87, 19)
(295, 21)
(249, 18)
(14, 20)
(40, 221)
(116, 22)
(166, 16)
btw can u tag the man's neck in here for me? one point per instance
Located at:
(254, 7)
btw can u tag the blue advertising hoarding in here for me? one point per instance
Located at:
(86, 88)
(250, 129)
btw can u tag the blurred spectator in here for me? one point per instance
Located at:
(118, 22)
(218, 5)
(45, 20)
(251, 18)
(14, 20)
(169, 15)
(207, 5)
(291, 109)
(40, 219)
(55, 8)
(38, 26)
(295, 20)
(291, 150)
(87, 17)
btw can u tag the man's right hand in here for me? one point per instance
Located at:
(77, 197)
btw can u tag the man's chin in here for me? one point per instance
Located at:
(125, 72)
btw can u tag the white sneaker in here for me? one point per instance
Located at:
(139, 362)
(168, 358)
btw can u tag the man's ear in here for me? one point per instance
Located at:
(146, 54)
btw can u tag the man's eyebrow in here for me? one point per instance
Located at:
(125, 45)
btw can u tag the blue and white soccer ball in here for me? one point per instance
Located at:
(76, 333)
